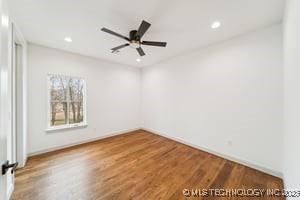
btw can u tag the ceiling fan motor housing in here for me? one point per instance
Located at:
(135, 41)
(133, 36)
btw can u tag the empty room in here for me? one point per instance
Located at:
(150, 99)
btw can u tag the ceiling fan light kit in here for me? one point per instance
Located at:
(134, 39)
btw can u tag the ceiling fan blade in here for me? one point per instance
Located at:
(153, 43)
(143, 28)
(120, 47)
(140, 51)
(114, 33)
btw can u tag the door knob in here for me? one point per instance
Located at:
(6, 166)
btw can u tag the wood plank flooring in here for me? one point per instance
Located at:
(136, 165)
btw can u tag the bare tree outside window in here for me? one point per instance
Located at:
(66, 100)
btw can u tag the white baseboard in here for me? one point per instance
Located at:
(22, 163)
(82, 142)
(243, 162)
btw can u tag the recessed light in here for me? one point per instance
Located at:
(68, 39)
(138, 60)
(5, 21)
(215, 24)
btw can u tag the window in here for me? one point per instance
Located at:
(67, 102)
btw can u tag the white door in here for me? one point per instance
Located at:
(6, 177)
(4, 98)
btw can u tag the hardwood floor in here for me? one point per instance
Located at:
(136, 165)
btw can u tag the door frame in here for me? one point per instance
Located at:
(21, 88)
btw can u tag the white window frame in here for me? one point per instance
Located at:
(84, 109)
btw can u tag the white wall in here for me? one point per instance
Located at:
(292, 95)
(227, 98)
(113, 97)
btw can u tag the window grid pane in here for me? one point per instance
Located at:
(66, 100)
(58, 113)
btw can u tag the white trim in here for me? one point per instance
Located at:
(66, 126)
(83, 141)
(10, 133)
(21, 135)
(243, 162)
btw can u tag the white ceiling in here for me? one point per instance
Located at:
(185, 25)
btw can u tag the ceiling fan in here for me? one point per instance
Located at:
(134, 39)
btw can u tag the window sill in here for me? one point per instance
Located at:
(63, 127)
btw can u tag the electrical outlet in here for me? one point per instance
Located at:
(229, 142)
